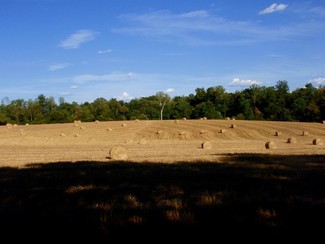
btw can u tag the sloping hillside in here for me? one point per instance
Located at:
(155, 141)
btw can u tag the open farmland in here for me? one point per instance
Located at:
(155, 141)
(61, 180)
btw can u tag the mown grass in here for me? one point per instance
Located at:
(243, 196)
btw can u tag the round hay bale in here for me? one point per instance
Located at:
(22, 132)
(232, 126)
(292, 140)
(118, 153)
(159, 132)
(142, 141)
(206, 145)
(222, 131)
(317, 141)
(63, 134)
(304, 133)
(184, 118)
(278, 133)
(96, 121)
(270, 145)
(203, 132)
(109, 129)
(123, 125)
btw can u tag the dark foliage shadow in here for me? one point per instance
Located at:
(246, 196)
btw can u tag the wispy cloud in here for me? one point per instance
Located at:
(78, 38)
(319, 81)
(80, 79)
(274, 8)
(320, 11)
(104, 51)
(55, 67)
(239, 82)
(202, 28)
(169, 90)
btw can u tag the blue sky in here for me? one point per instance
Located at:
(82, 50)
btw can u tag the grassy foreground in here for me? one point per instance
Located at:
(246, 196)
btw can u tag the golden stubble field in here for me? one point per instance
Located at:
(62, 181)
(166, 141)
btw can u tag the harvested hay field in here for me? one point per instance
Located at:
(25, 144)
(138, 180)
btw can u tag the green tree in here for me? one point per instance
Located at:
(181, 108)
(163, 99)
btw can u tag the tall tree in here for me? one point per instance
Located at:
(163, 99)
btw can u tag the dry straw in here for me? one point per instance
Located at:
(304, 133)
(142, 141)
(118, 153)
(292, 140)
(317, 141)
(206, 145)
(270, 145)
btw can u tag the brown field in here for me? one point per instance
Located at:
(181, 180)
(155, 141)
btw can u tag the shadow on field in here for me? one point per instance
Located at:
(246, 196)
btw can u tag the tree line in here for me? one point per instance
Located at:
(274, 103)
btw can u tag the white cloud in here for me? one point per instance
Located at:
(104, 51)
(73, 87)
(125, 96)
(203, 28)
(77, 38)
(318, 11)
(274, 8)
(239, 82)
(195, 14)
(318, 81)
(64, 94)
(169, 90)
(109, 77)
(54, 67)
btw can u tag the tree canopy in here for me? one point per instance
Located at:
(305, 104)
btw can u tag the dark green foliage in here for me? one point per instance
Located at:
(254, 103)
